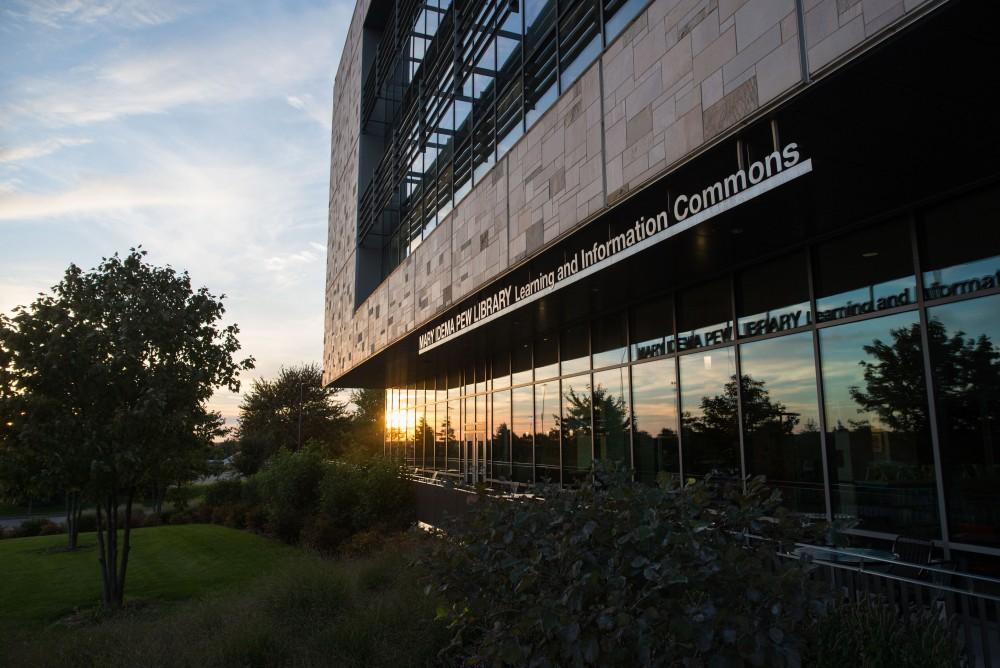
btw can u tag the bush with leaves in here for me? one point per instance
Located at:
(618, 573)
(289, 488)
(871, 636)
(360, 495)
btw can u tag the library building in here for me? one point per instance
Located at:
(756, 238)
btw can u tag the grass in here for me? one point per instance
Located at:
(41, 582)
(368, 611)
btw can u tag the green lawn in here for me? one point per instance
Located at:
(39, 582)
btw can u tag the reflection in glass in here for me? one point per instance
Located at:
(500, 446)
(781, 419)
(522, 429)
(865, 272)
(611, 416)
(443, 428)
(773, 297)
(451, 432)
(965, 356)
(708, 413)
(547, 431)
(574, 350)
(501, 370)
(654, 406)
(704, 316)
(577, 446)
(878, 436)
(653, 329)
(609, 341)
(952, 265)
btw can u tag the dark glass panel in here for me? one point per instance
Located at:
(546, 356)
(574, 349)
(878, 437)
(480, 376)
(961, 246)
(547, 431)
(501, 370)
(610, 399)
(441, 387)
(522, 430)
(708, 413)
(575, 428)
(608, 339)
(425, 430)
(965, 358)
(454, 382)
(469, 434)
(469, 380)
(501, 435)
(481, 435)
(652, 331)
(704, 315)
(865, 272)
(617, 14)
(773, 297)
(521, 364)
(452, 433)
(781, 435)
(654, 406)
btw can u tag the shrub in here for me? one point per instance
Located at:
(870, 636)
(359, 496)
(255, 518)
(33, 527)
(289, 487)
(50, 529)
(88, 522)
(618, 573)
(182, 518)
(322, 534)
(224, 492)
(179, 497)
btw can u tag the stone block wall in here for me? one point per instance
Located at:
(683, 74)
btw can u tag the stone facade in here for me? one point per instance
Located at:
(684, 74)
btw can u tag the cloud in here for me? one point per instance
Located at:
(120, 13)
(320, 112)
(38, 149)
(262, 60)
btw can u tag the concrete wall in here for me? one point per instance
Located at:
(683, 74)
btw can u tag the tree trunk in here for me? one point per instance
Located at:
(113, 566)
(73, 507)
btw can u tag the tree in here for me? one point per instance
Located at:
(288, 412)
(149, 351)
(368, 420)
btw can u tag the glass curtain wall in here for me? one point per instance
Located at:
(454, 85)
(860, 376)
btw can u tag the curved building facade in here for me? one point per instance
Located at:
(738, 238)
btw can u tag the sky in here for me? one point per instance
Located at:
(200, 130)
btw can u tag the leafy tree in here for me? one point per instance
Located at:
(148, 352)
(368, 420)
(288, 412)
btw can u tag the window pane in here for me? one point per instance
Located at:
(501, 370)
(547, 431)
(611, 416)
(654, 405)
(773, 297)
(652, 330)
(704, 316)
(522, 421)
(865, 272)
(608, 340)
(617, 15)
(452, 435)
(443, 430)
(500, 451)
(708, 413)
(546, 357)
(521, 364)
(418, 437)
(575, 349)
(577, 447)
(962, 246)
(781, 419)
(965, 355)
(878, 437)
